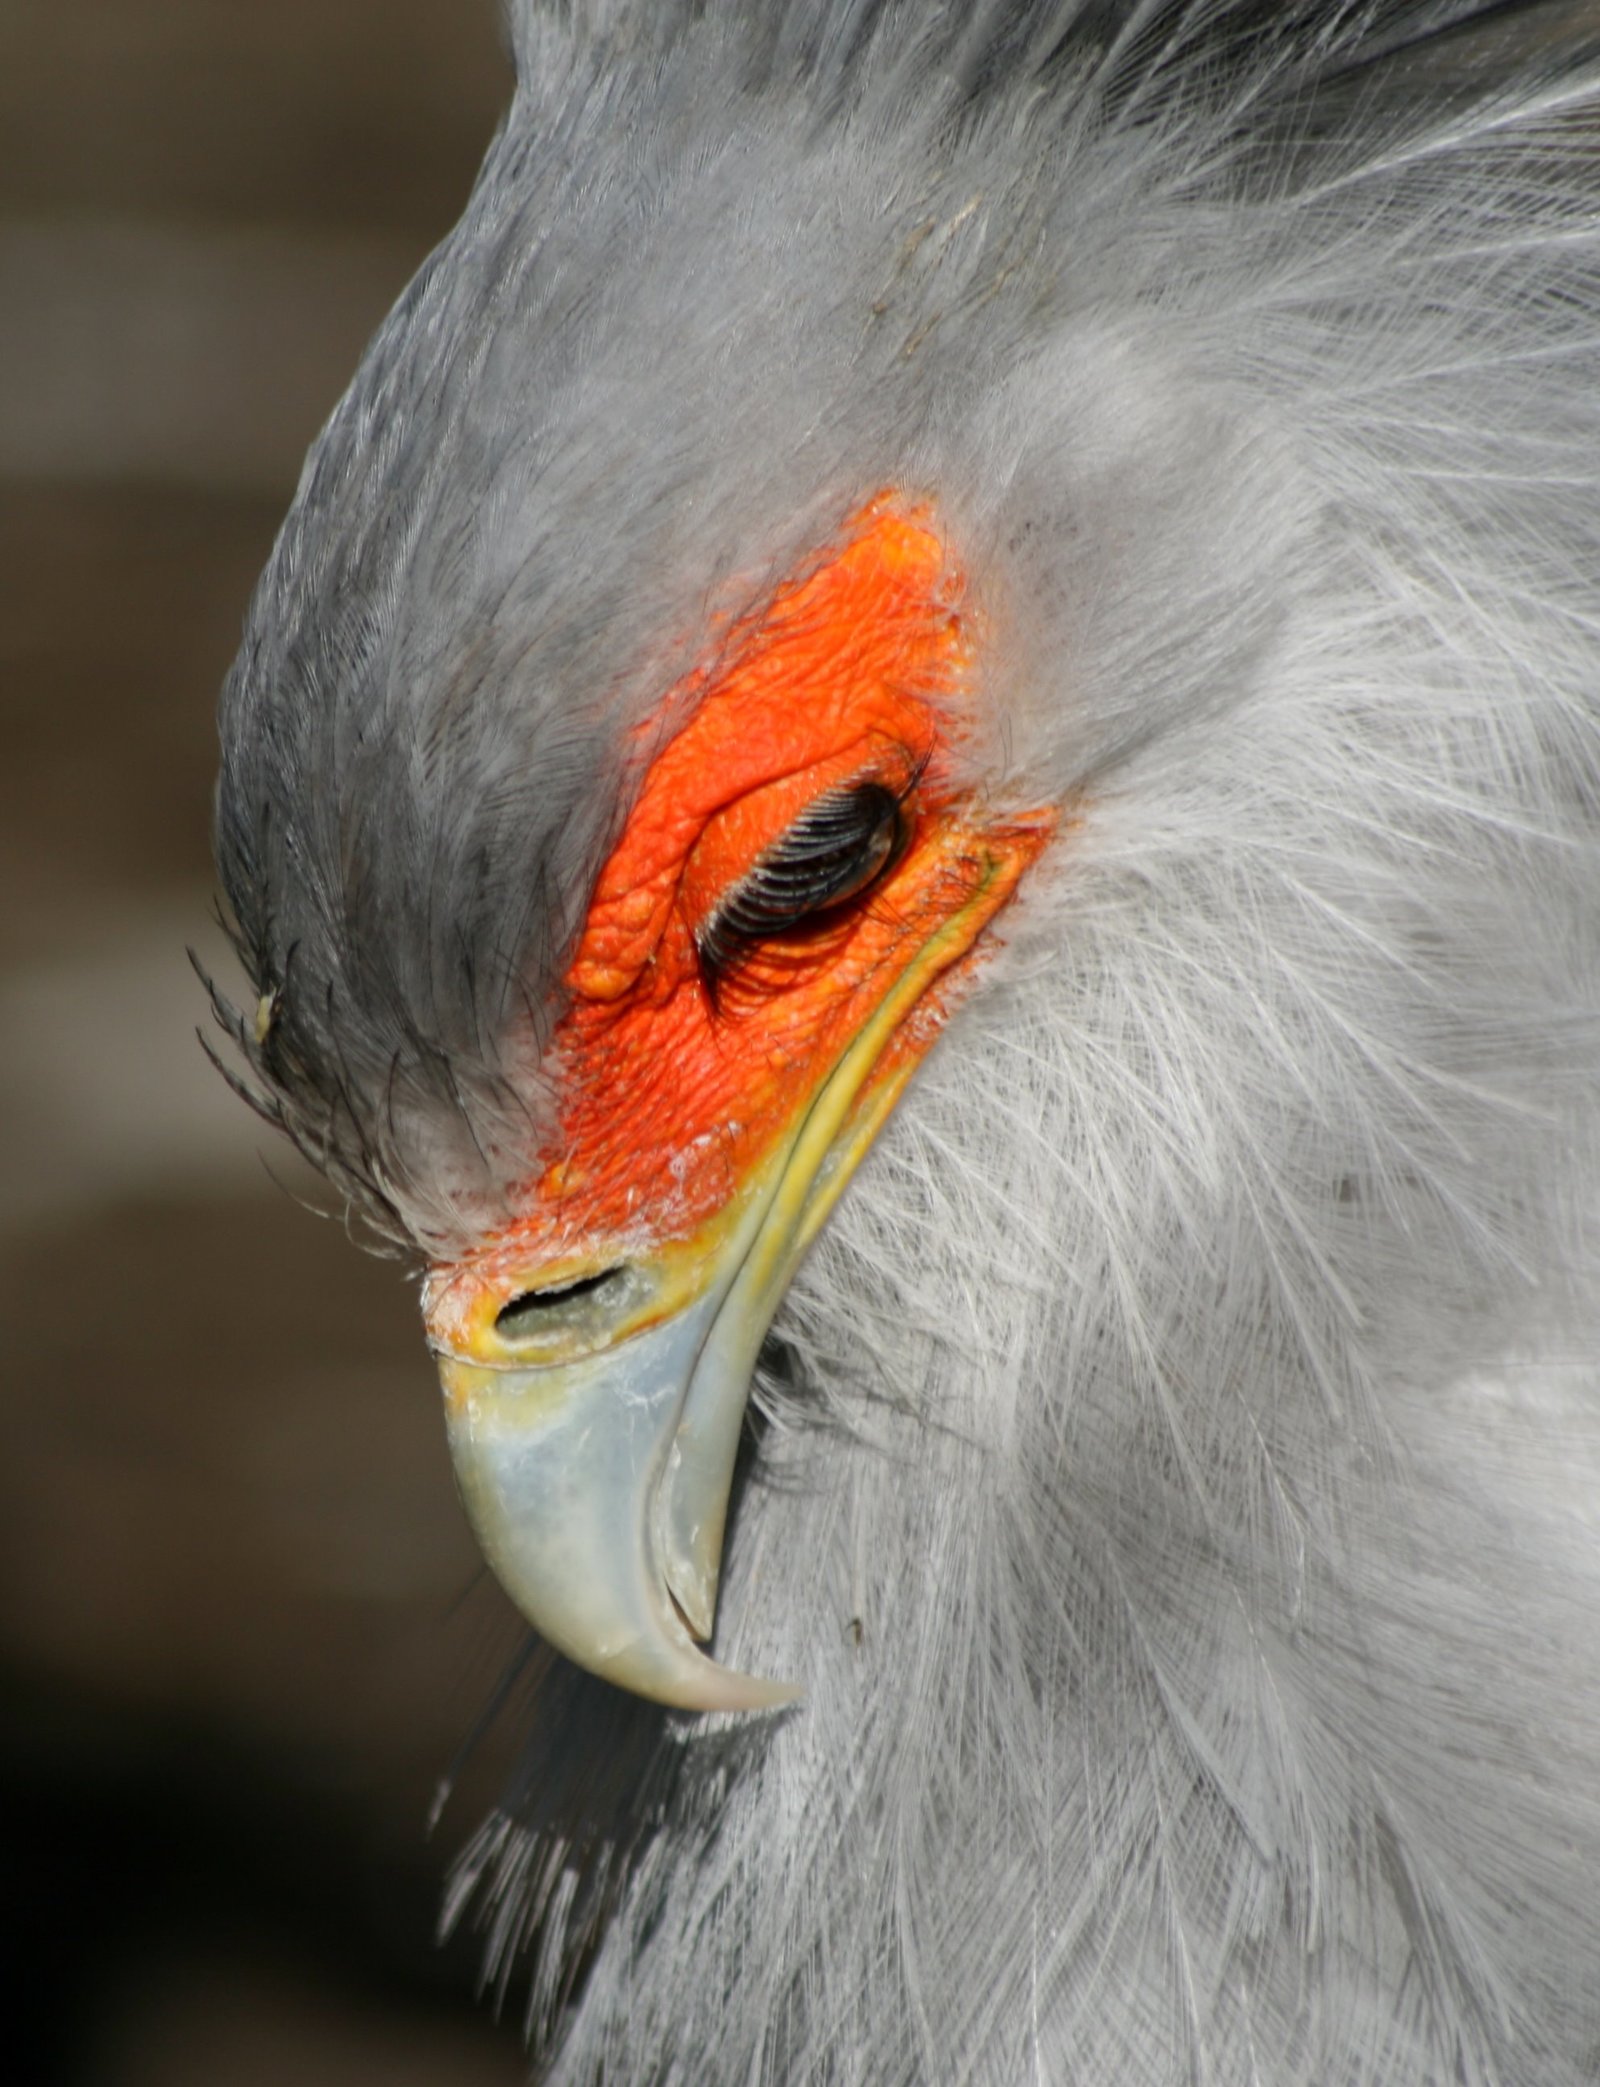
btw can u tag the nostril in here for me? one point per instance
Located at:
(528, 1311)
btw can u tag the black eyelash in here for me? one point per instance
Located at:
(837, 848)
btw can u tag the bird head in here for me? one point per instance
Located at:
(728, 575)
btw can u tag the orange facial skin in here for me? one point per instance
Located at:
(677, 1084)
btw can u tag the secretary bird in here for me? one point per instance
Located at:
(927, 737)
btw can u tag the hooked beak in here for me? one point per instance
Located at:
(598, 1486)
(598, 1491)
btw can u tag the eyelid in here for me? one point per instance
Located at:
(838, 847)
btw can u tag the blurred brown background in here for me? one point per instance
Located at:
(242, 1629)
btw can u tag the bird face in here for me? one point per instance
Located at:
(768, 952)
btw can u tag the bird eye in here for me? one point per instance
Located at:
(838, 847)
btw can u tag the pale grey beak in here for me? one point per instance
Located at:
(598, 1490)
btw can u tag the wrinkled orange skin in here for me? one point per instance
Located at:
(672, 1090)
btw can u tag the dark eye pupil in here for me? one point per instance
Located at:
(836, 848)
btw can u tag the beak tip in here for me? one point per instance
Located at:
(770, 1695)
(682, 1678)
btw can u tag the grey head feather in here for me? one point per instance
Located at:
(1190, 1441)
(674, 341)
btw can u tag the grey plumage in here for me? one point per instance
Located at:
(1179, 1486)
